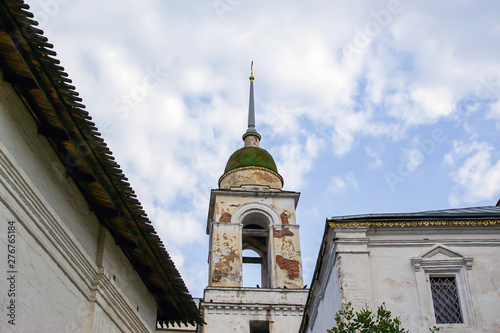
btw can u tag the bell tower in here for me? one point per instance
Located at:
(250, 212)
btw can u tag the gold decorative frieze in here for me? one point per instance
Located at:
(345, 224)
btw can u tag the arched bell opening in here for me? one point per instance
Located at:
(255, 241)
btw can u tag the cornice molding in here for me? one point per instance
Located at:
(426, 242)
(252, 309)
(346, 224)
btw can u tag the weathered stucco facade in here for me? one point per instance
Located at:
(374, 262)
(275, 211)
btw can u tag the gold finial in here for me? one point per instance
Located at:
(251, 72)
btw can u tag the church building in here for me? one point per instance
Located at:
(250, 212)
(432, 269)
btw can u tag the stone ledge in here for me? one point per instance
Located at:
(260, 309)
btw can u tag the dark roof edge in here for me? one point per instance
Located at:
(480, 213)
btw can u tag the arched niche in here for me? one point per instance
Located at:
(256, 222)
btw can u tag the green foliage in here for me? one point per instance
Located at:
(365, 321)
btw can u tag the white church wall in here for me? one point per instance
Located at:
(484, 279)
(394, 283)
(103, 322)
(58, 281)
(37, 283)
(33, 153)
(120, 271)
(327, 294)
(331, 301)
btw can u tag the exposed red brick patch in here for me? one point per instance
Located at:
(216, 275)
(289, 265)
(284, 218)
(278, 233)
(226, 217)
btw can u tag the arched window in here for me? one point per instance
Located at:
(255, 249)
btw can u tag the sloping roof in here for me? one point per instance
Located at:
(457, 216)
(476, 213)
(28, 63)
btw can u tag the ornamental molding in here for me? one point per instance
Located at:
(402, 223)
(441, 258)
(432, 241)
(256, 207)
(253, 310)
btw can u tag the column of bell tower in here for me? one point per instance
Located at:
(250, 210)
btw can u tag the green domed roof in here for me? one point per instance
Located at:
(251, 156)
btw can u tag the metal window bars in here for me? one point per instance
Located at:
(445, 298)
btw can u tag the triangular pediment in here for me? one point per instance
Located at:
(440, 255)
(441, 252)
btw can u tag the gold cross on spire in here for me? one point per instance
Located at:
(251, 72)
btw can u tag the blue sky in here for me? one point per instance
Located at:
(367, 107)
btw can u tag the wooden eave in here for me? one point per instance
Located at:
(27, 62)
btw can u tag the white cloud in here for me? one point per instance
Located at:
(412, 158)
(296, 159)
(376, 161)
(477, 173)
(283, 120)
(339, 184)
(177, 227)
(433, 102)
(494, 112)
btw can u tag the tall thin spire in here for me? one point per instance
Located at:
(251, 137)
(251, 108)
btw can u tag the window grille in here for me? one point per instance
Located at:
(445, 298)
(257, 326)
